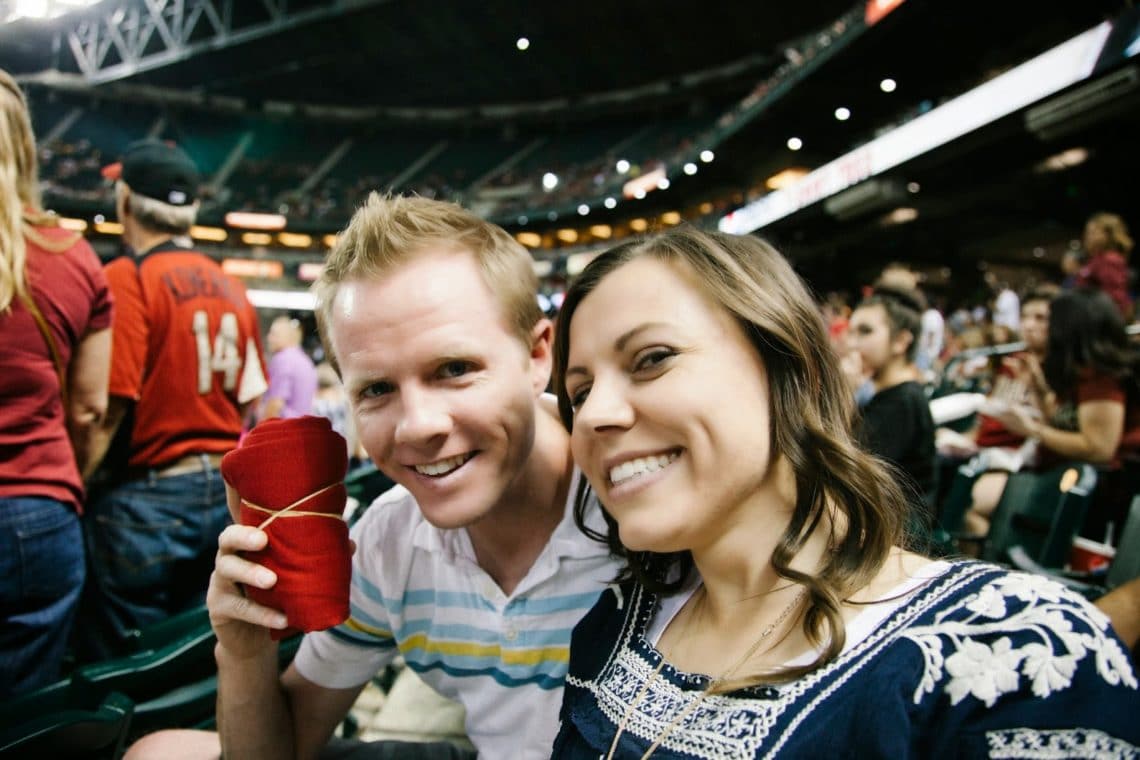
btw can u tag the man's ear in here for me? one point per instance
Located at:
(541, 354)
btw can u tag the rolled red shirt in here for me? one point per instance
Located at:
(289, 474)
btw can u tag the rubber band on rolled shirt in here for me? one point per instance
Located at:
(289, 475)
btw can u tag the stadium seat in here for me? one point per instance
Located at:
(1125, 565)
(954, 506)
(364, 485)
(65, 721)
(1040, 512)
(171, 677)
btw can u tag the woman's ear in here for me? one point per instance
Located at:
(900, 343)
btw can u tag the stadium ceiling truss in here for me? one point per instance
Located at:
(126, 37)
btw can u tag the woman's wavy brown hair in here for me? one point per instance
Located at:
(839, 487)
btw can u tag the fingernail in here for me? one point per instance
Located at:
(279, 621)
(265, 578)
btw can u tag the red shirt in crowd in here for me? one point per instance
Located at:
(36, 458)
(186, 349)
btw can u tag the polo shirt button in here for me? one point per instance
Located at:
(511, 634)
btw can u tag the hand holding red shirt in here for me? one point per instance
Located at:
(289, 474)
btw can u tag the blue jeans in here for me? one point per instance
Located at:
(151, 545)
(41, 575)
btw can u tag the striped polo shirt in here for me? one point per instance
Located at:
(418, 591)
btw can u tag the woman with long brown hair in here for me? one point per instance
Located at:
(55, 315)
(769, 606)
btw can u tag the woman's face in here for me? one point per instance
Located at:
(869, 333)
(1035, 325)
(671, 408)
(1095, 237)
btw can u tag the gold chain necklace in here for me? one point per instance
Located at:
(714, 683)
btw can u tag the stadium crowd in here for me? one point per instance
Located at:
(682, 500)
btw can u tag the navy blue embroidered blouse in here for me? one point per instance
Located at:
(979, 662)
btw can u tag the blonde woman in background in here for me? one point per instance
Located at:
(55, 316)
(1107, 244)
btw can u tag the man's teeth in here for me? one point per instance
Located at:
(443, 466)
(642, 466)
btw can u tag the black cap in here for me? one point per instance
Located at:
(157, 170)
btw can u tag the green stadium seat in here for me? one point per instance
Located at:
(1040, 512)
(65, 721)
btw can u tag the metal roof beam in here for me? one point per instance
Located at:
(127, 37)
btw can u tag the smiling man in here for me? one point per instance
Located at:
(472, 567)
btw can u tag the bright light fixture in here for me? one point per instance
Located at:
(888, 85)
(583, 209)
(901, 215)
(843, 114)
(1066, 159)
(663, 183)
(610, 202)
(795, 143)
(522, 43)
(44, 9)
(690, 168)
(529, 239)
(707, 156)
(549, 181)
(250, 220)
(622, 166)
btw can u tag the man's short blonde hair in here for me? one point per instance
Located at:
(388, 231)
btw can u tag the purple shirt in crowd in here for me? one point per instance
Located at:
(292, 378)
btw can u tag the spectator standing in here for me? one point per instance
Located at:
(55, 317)
(1007, 309)
(292, 374)
(1107, 244)
(186, 360)
(931, 337)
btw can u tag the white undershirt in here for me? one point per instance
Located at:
(858, 628)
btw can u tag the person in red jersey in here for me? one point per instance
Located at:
(186, 362)
(55, 317)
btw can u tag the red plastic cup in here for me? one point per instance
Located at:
(1088, 556)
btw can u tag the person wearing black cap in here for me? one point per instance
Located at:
(186, 361)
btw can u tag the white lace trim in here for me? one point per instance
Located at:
(1075, 743)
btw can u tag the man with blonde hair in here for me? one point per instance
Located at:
(186, 361)
(472, 568)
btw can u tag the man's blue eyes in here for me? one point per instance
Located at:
(454, 369)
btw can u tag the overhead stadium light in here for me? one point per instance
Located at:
(249, 220)
(44, 9)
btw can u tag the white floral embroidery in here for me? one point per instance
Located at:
(1074, 743)
(981, 670)
(1062, 633)
(1015, 630)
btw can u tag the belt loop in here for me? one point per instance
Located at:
(204, 459)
